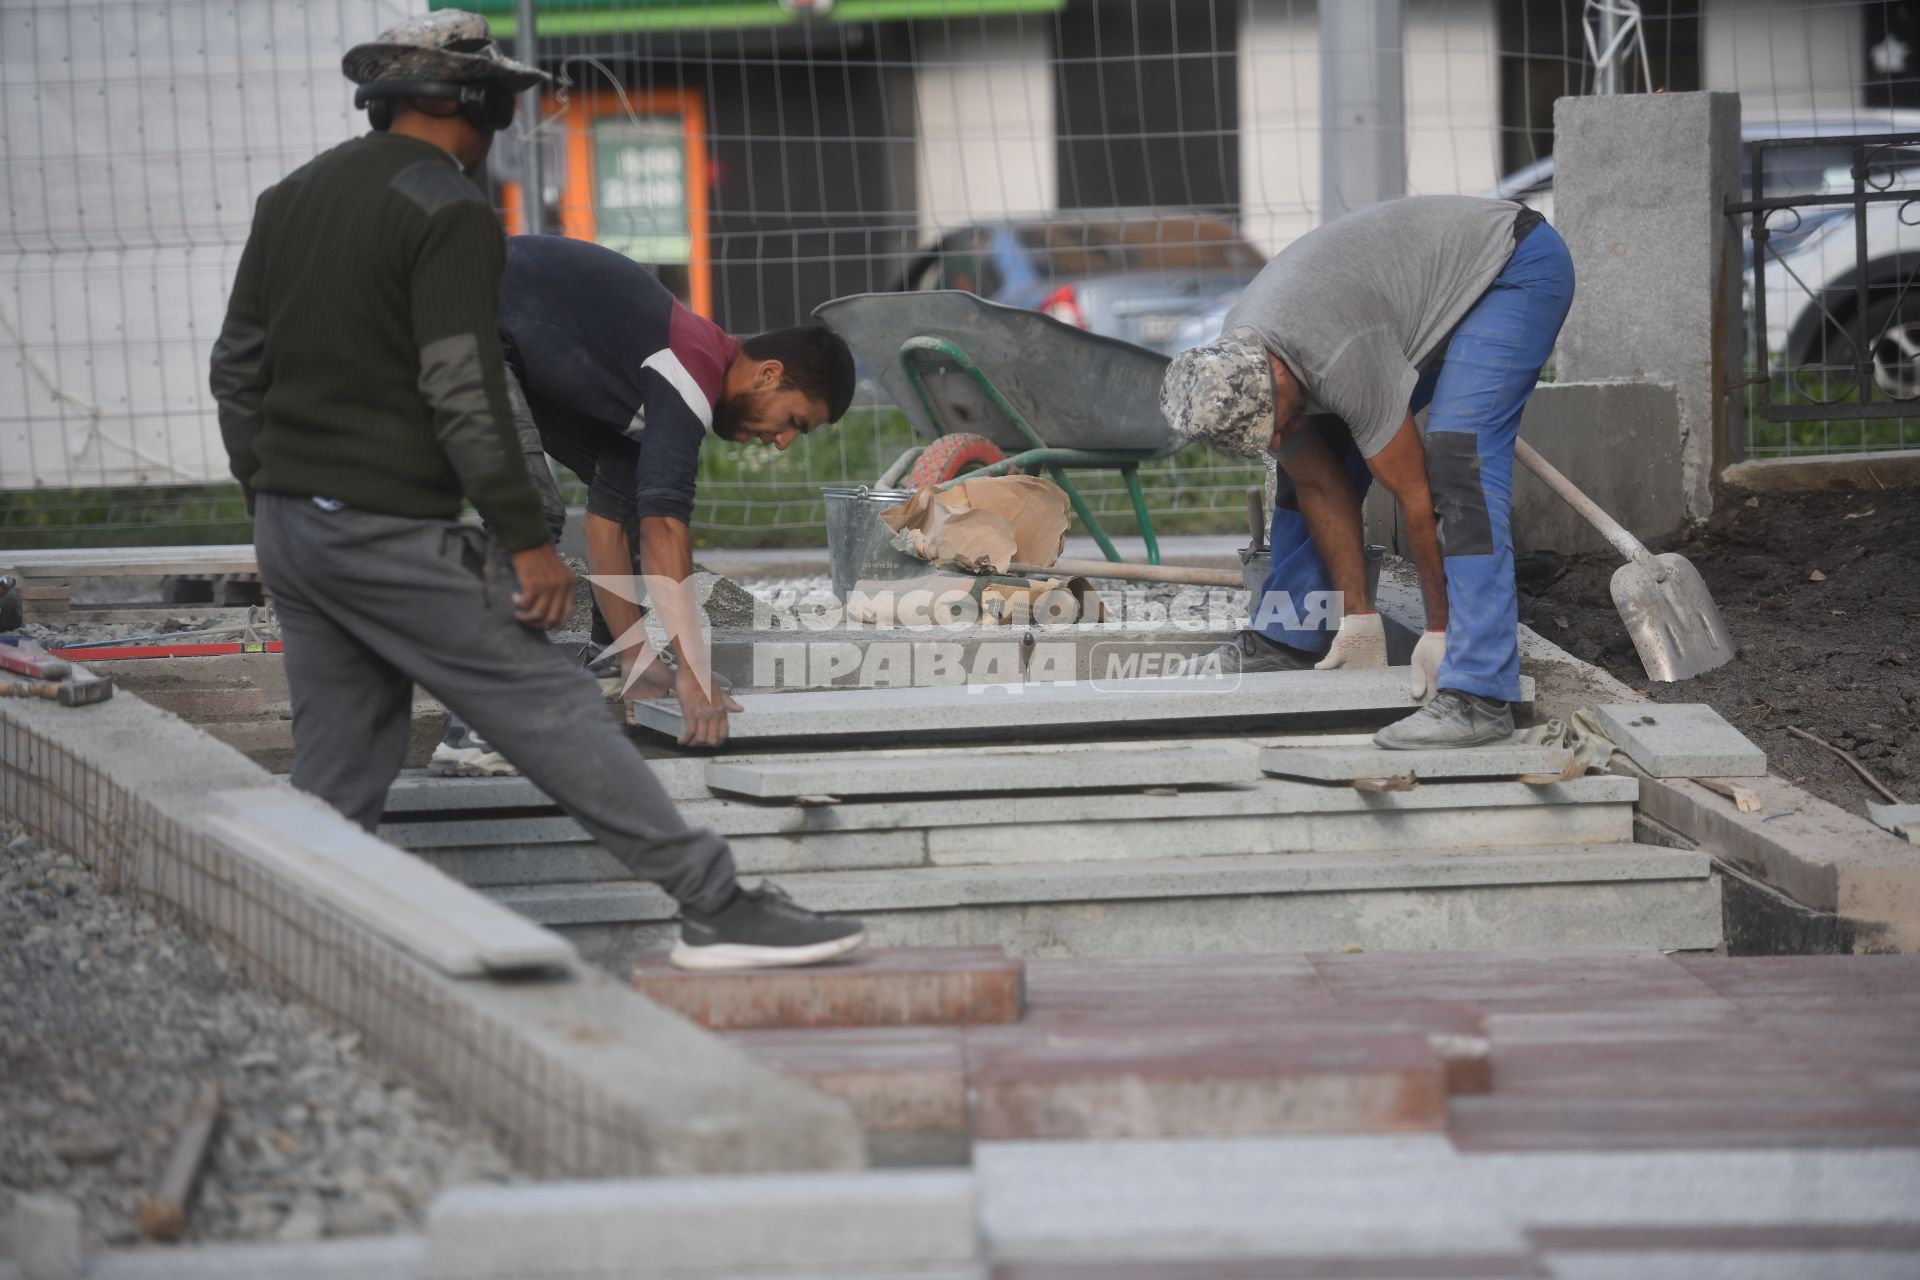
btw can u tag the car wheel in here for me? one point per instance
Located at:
(1825, 372)
(953, 456)
(1895, 326)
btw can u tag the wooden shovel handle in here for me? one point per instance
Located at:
(1609, 528)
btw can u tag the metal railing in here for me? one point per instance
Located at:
(1834, 338)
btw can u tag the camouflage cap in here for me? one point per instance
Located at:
(449, 44)
(1221, 393)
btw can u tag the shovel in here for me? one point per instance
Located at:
(1670, 614)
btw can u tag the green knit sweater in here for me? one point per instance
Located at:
(360, 359)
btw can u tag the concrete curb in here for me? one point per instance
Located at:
(1850, 886)
(899, 1222)
(1894, 469)
(579, 1074)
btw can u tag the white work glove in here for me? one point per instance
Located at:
(1425, 670)
(1362, 642)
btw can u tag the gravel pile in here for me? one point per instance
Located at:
(112, 1020)
(84, 631)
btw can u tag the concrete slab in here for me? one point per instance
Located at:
(1091, 841)
(1261, 797)
(1864, 883)
(925, 888)
(1664, 913)
(414, 906)
(1020, 709)
(696, 1227)
(1372, 1196)
(1200, 1080)
(1079, 767)
(493, 866)
(935, 986)
(1344, 764)
(396, 1257)
(1702, 1188)
(1744, 1260)
(1681, 740)
(46, 1237)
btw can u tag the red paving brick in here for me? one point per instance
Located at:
(1503, 981)
(1148, 986)
(928, 986)
(1590, 1050)
(1125, 1081)
(896, 1079)
(1836, 979)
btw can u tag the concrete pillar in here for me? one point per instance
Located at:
(1363, 117)
(1450, 83)
(1640, 182)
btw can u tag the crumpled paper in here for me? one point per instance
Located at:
(983, 525)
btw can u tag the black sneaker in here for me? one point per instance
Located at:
(761, 929)
(1247, 653)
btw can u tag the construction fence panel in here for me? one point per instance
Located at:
(1123, 164)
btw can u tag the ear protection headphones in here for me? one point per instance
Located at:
(487, 105)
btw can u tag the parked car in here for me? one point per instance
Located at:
(1128, 274)
(1811, 295)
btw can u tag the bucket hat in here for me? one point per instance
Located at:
(1221, 393)
(447, 45)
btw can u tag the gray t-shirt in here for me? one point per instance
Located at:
(1354, 308)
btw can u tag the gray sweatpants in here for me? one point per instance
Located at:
(370, 605)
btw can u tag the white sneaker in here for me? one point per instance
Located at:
(462, 753)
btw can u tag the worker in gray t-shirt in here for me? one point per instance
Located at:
(1444, 303)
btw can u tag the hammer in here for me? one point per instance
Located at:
(76, 690)
(40, 675)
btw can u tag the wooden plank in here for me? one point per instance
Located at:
(163, 1213)
(130, 562)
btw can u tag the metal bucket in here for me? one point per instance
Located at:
(1255, 565)
(857, 541)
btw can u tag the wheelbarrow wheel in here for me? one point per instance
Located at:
(952, 456)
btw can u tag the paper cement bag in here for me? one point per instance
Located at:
(984, 524)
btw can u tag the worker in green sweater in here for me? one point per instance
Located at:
(361, 390)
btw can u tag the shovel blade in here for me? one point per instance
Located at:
(1676, 628)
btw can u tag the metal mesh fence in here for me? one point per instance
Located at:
(764, 156)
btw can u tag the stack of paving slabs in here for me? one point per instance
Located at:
(1151, 817)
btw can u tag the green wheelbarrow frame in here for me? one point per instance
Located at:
(1042, 456)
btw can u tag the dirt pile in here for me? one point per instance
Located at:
(1822, 594)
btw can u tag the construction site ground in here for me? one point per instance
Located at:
(1822, 594)
(114, 1018)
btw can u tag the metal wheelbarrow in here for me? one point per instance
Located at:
(1050, 396)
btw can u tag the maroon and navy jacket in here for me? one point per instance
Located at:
(621, 378)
